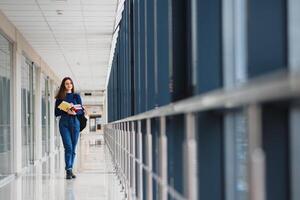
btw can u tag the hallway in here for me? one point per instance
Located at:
(95, 177)
(183, 99)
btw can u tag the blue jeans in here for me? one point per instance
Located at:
(69, 127)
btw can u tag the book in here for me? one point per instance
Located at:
(65, 106)
(77, 107)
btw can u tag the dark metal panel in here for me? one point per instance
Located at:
(136, 57)
(144, 140)
(131, 61)
(175, 130)
(276, 147)
(122, 65)
(162, 51)
(120, 72)
(155, 154)
(126, 58)
(210, 155)
(109, 101)
(178, 85)
(267, 52)
(209, 77)
(116, 86)
(142, 91)
(209, 71)
(267, 45)
(129, 58)
(149, 54)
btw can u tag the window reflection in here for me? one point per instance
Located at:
(45, 115)
(27, 92)
(56, 130)
(241, 151)
(5, 102)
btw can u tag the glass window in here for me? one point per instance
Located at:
(5, 89)
(56, 130)
(45, 116)
(27, 95)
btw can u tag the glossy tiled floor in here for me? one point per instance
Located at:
(95, 178)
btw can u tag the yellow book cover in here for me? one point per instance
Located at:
(65, 106)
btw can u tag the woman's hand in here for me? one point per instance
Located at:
(71, 112)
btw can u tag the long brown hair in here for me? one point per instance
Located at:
(61, 94)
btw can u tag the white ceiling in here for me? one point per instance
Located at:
(76, 43)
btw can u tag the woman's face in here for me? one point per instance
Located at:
(68, 85)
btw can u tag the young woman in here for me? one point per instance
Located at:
(69, 125)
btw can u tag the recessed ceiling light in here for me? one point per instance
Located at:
(59, 12)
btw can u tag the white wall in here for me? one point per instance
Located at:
(22, 47)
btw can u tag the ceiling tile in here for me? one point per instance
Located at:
(72, 36)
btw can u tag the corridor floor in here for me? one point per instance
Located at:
(95, 180)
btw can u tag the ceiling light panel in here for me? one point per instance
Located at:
(72, 36)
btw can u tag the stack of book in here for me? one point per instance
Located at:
(65, 106)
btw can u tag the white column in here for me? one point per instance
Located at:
(132, 160)
(190, 158)
(37, 116)
(228, 76)
(294, 64)
(148, 154)
(140, 157)
(163, 159)
(234, 35)
(256, 156)
(16, 94)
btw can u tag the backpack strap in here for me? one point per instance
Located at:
(76, 97)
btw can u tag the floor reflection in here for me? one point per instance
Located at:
(95, 177)
(70, 194)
